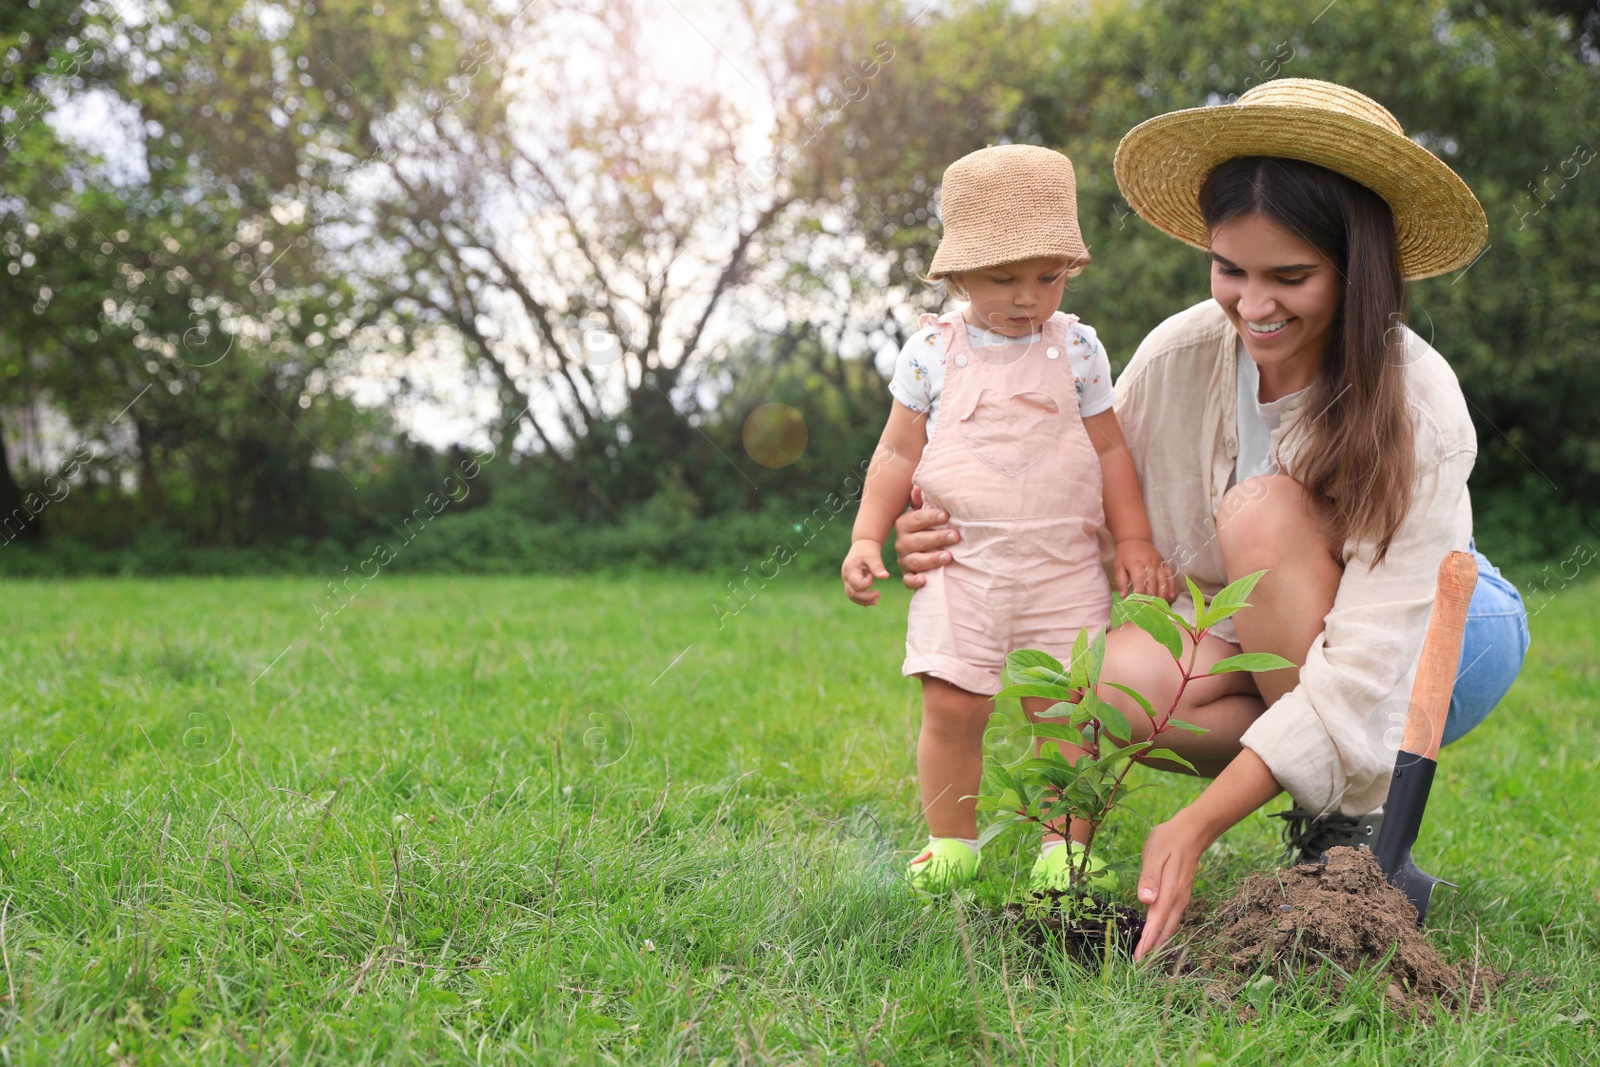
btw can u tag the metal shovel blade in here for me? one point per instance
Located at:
(1402, 818)
(1417, 884)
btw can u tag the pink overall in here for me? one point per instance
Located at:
(1012, 463)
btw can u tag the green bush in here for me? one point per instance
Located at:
(494, 539)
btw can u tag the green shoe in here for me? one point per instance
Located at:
(944, 863)
(1051, 871)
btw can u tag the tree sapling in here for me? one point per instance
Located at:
(1044, 788)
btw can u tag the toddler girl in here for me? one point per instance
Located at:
(1002, 417)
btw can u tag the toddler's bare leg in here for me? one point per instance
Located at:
(950, 756)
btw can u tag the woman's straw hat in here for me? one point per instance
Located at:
(1005, 203)
(1161, 163)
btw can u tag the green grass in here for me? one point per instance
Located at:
(543, 820)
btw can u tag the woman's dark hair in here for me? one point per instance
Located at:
(1359, 459)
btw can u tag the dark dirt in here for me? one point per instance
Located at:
(1342, 913)
(1078, 923)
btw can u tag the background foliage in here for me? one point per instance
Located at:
(282, 199)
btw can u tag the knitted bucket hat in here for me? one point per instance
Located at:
(1161, 163)
(1006, 203)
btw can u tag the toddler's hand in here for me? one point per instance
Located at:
(1139, 567)
(862, 564)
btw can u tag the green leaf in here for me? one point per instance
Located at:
(1229, 600)
(1035, 689)
(1050, 763)
(998, 779)
(994, 770)
(1056, 776)
(1080, 666)
(1259, 993)
(1250, 661)
(1137, 696)
(1199, 599)
(1168, 754)
(182, 1011)
(991, 784)
(1007, 801)
(1053, 731)
(1059, 710)
(1112, 721)
(1097, 657)
(1047, 676)
(1084, 793)
(1126, 752)
(1191, 727)
(995, 829)
(1023, 658)
(1123, 608)
(1153, 620)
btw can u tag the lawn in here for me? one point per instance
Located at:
(600, 820)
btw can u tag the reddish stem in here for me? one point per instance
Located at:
(1081, 868)
(1157, 729)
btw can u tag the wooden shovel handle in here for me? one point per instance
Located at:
(1441, 654)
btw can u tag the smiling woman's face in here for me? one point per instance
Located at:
(1280, 293)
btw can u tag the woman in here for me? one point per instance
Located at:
(1294, 424)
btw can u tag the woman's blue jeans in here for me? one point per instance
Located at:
(1492, 649)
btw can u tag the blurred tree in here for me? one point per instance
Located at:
(580, 224)
(175, 297)
(863, 128)
(34, 49)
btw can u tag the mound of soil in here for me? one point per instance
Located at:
(1342, 913)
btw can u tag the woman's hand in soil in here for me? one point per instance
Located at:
(1172, 851)
(863, 564)
(922, 541)
(1139, 567)
(1171, 858)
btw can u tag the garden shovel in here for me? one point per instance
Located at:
(1430, 703)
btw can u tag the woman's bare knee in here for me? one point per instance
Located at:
(1264, 520)
(1261, 511)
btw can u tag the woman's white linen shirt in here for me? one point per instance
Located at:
(1331, 741)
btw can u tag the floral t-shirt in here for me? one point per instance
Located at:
(919, 368)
